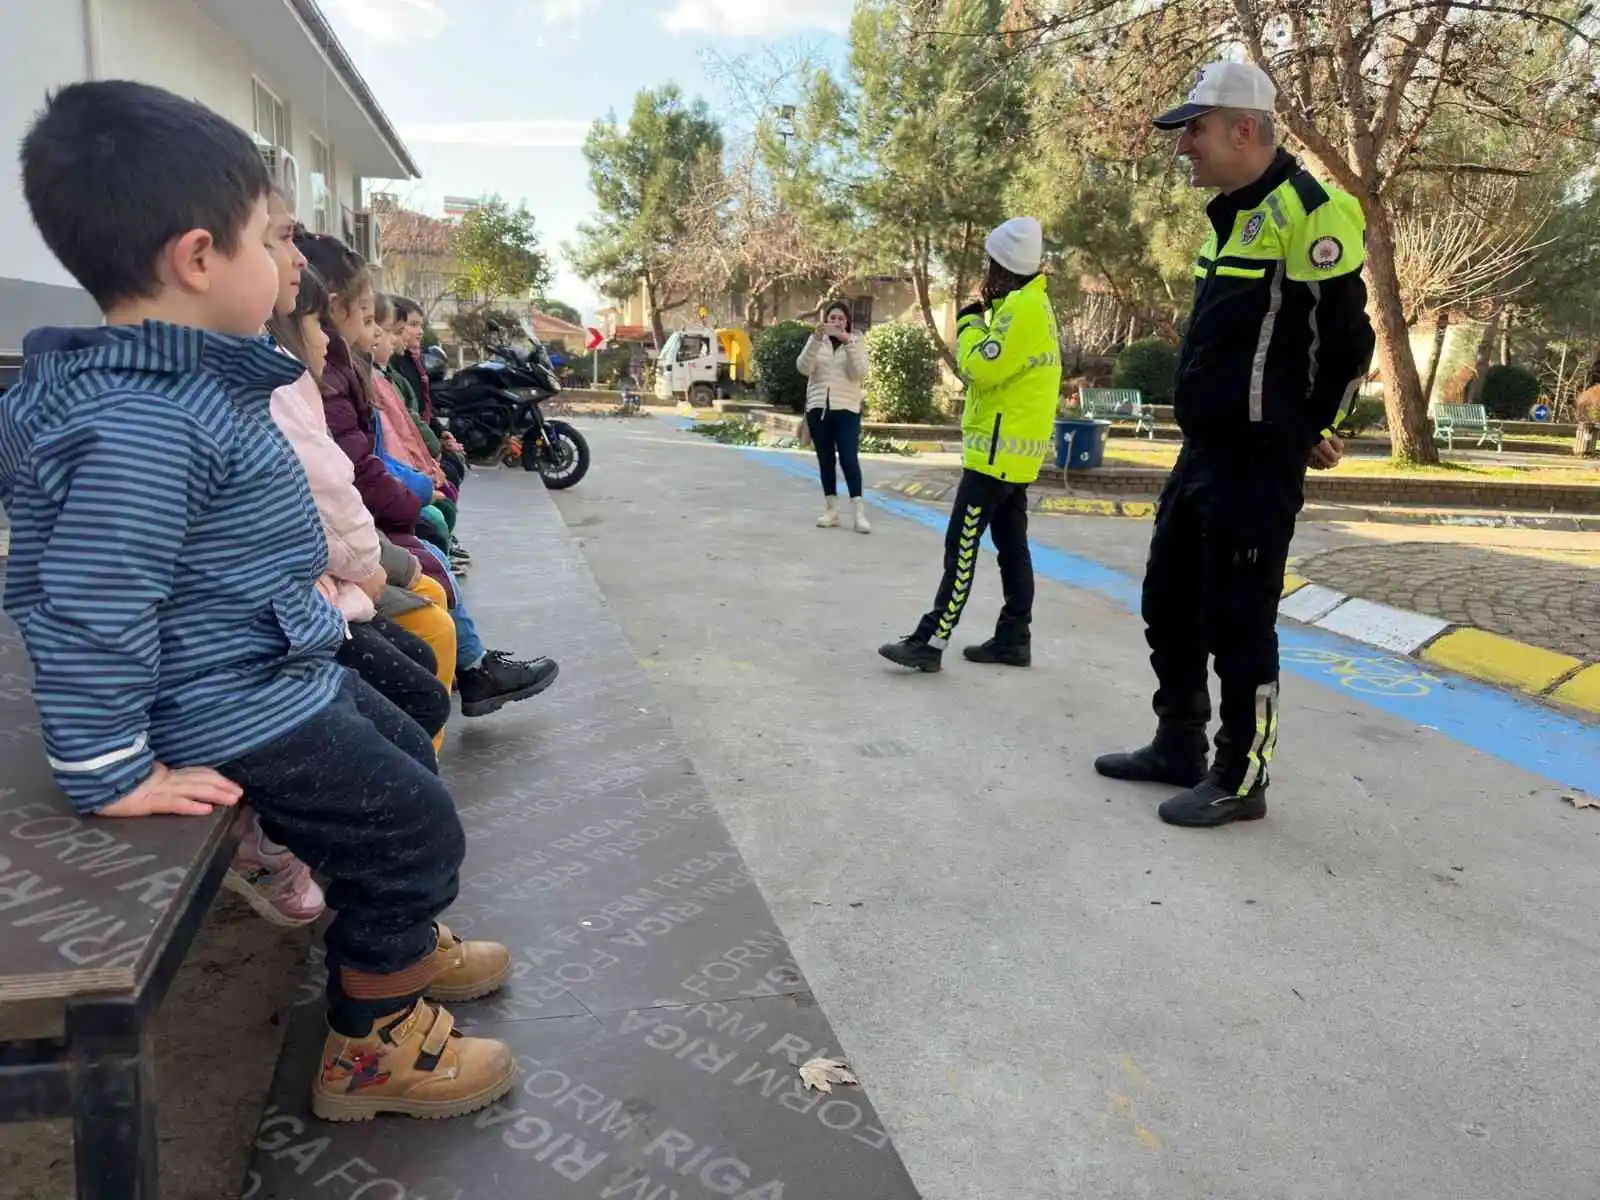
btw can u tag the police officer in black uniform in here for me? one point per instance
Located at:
(1275, 348)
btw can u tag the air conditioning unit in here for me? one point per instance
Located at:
(368, 240)
(285, 173)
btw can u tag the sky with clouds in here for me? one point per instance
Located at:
(495, 96)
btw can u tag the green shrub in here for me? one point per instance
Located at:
(873, 444)
(471, 329)
(1363, 415)
(776, 349)
(949, 398)
(1509, 392)
(1151, 366)
(902, 374)
(736, 432)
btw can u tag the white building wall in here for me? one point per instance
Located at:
(174, 44)
(43, 47)
(171, 43)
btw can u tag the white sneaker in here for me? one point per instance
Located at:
(862, 524)
(830, 518)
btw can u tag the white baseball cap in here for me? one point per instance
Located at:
(1018, 246)
(1222, 85)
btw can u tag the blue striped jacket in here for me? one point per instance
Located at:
(164, 552)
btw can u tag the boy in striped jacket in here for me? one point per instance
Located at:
(164, 558)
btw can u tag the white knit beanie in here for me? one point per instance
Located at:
(1018, 246)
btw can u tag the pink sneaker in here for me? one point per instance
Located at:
(274, 882)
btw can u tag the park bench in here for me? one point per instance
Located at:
(659, 1016)
(95, 918)
(1125, 405)
(1450, 420)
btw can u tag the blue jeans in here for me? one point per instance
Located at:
(836, 435)
(355, 792)
(469, 646)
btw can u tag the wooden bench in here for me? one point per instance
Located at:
(1466, 419)
(95, 918)
(1117, 404)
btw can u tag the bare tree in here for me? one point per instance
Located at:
(1464, 254)
(419, 259)
(740, 239)
(1373, 92)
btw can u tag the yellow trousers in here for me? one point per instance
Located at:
(434, 625)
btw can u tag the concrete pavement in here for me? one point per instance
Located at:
(1381, 990)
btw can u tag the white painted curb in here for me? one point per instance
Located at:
(1396, 630)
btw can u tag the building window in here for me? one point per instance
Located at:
(272, 118)
(861, 313)
(322, 186)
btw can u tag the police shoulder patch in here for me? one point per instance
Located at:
(990, 350)
(1326, 253)
(1252, 229)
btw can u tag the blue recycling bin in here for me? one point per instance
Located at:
(1080, 443)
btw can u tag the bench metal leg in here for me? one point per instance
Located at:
(114, 1117)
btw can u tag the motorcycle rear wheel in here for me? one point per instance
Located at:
(567, 460)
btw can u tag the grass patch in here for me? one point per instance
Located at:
(872, 444)
(730, 433)
(740, 432)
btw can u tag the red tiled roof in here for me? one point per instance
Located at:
(554, 329)
(407, 232)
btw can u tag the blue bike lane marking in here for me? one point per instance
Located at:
(1520, 732)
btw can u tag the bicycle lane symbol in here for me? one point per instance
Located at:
(1368, 674)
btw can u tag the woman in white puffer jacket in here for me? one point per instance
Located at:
(834, 363)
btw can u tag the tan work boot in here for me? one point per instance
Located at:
(467, 970)
(416, 1066)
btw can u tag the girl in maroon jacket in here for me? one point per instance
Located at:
(488, 679)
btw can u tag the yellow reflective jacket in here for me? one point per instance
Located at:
(1012, 367)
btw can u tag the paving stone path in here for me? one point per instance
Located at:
(1550, 604)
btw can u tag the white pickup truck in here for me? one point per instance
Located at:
(705, 365)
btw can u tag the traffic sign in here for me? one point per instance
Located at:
(595, 340)
(1541, 412)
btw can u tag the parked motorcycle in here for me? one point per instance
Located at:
(492, 409)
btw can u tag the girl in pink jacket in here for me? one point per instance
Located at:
(395, 662)
(400, 665)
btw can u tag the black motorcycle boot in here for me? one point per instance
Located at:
(500, 680)
(1006, 654)
(1177, 756)
(1209, 803)
(913, 654)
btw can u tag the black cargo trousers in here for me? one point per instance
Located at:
(1223, 527)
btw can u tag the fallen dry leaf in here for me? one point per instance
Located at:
(1581, 801)
(823, 1073)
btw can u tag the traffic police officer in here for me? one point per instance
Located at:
(1011, 363)
(1275, 348)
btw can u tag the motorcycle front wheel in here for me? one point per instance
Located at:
(563, 462)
